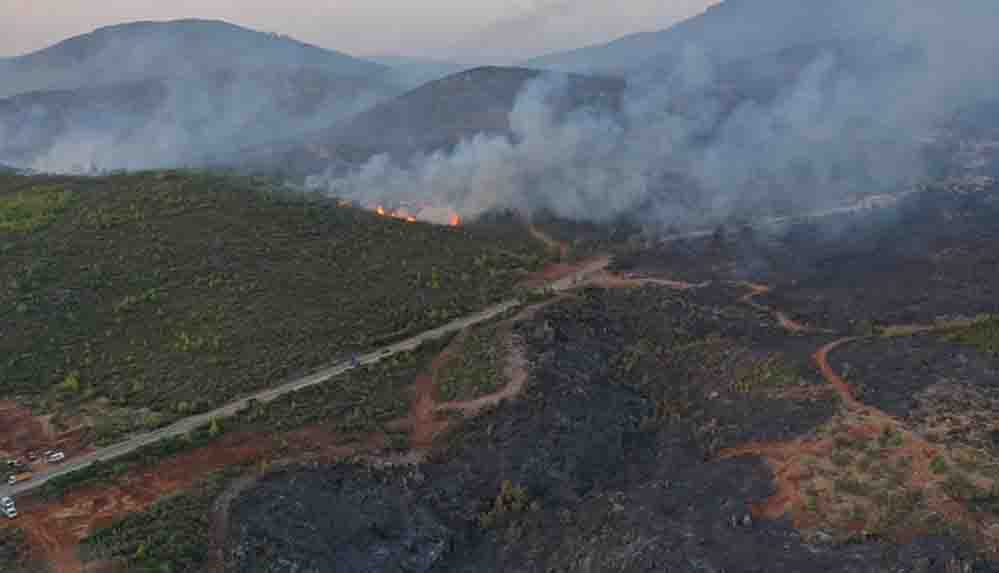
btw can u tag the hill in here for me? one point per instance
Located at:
(728, 31)
(181, 88)
(136, 299)
(441, 113)
(556, 25)
(433, 117)
(180, 48)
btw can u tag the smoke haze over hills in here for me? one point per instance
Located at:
(831, 102)
(164, 94)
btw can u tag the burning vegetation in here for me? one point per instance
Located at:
(424, 214)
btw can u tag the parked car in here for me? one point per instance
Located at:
(55, 457)
(18, 478)
(8, 508)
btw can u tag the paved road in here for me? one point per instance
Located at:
(865, 204)
(187, 424)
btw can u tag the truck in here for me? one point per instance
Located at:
(8, 508)
(18, 478)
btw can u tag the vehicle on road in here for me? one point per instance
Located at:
(8, 508)
(18, 478)
(55, 457)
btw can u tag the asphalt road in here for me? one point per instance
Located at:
(188, 424)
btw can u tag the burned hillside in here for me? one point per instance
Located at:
(617, 457)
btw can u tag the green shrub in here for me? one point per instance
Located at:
(28, 210)
(938, 465)
(983, 334)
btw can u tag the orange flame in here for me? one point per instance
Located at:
(402, 214)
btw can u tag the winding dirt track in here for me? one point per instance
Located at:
(783, 318)
(563, 248)
(834, 379)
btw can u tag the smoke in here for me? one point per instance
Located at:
(194, 120)
(695, 142)
(150, 95)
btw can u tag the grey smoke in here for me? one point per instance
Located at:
(148, 95)
(679, 153)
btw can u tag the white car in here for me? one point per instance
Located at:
(8, 508)
(55, 457)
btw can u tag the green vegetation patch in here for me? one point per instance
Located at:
(983, 334)
(362, 400)
(476, 370)
(28, 210)
(155, 296)
(771, 373)
(172, 535)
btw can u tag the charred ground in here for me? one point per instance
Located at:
(693, 430)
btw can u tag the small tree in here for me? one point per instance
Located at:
(71, 383)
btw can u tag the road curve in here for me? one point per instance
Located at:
(188, 424)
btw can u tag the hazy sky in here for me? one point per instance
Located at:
(440, 28)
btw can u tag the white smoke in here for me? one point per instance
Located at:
(679, 153)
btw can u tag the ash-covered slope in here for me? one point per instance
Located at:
(155, 94)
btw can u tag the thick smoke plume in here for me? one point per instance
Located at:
(698, 141)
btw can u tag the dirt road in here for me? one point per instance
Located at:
(188, 424)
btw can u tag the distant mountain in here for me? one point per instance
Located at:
(555, 25)
(156, 94)
(180, 48)
(413, 72)
(725, 32)
(433, 117)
